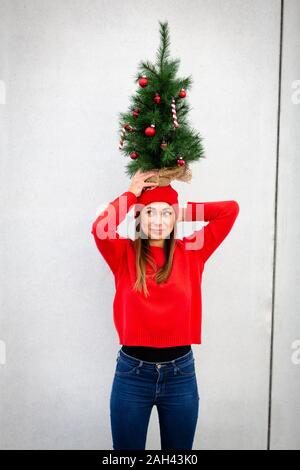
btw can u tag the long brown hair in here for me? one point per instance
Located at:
(143, 254)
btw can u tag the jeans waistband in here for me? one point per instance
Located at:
(135, 361)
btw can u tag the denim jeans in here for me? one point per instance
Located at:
(138, 386)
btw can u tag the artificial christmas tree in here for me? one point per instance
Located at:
(155, 132)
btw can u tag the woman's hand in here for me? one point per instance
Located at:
(138, 182)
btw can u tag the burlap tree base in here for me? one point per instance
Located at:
(165, 175)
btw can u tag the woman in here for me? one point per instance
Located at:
(157, 309)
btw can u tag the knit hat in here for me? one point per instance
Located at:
(158, 194)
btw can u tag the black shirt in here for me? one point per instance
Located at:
(147, 353)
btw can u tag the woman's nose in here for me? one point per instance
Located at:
(157, 221)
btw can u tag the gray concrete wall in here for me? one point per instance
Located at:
(285, 404)
(66, 71)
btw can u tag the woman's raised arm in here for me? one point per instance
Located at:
(221, 216)
(104, 229)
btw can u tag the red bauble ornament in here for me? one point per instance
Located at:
(180, 161)
(133, 155)
(150, 131)
(157, 98)
(182, 93)
(163, 145)
(143, 81)
(135, 113)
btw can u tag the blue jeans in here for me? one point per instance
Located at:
(138, 385)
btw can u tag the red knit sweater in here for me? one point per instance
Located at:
(172, 314)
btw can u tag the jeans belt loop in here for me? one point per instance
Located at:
(175, 367)
(138, 367)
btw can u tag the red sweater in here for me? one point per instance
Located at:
(172, 314)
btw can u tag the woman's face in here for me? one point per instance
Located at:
(157, 220)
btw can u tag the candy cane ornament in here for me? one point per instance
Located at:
(175, 123)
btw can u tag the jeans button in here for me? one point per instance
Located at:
(158, 365)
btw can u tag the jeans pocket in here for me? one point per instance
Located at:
(124, 368)
(187, 369)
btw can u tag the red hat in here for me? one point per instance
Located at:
(158, 194)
